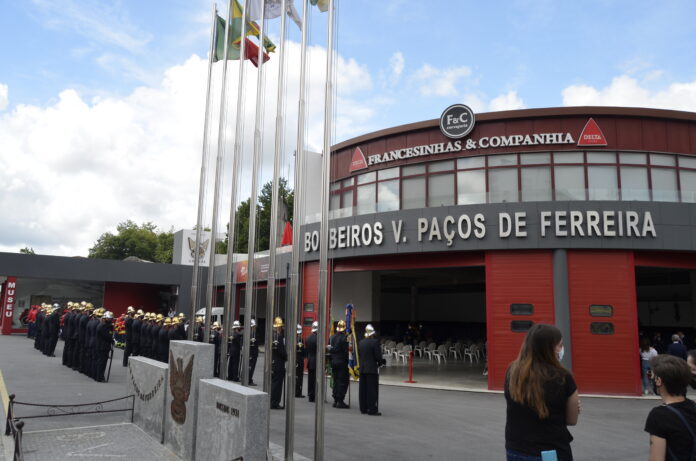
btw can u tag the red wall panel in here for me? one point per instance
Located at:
(514, 277)
(118, 296)
(604, 363)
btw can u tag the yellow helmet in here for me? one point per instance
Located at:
(130, 309)
(167, 321)
(140, 313)
(182, 315)
(199, 319)
(89, 305)
(216, 325)
(99, 312)
(278, 322)
(159, 317)
(83, 303)
(341, 326)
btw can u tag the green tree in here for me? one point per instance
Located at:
(142, 241)
(27, 251)
(263, 217)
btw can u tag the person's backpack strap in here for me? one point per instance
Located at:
(688, 427)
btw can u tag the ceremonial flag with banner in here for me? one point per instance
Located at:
(322, 4)
(273, 10)
(353, 358)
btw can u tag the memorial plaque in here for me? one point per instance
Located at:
(235, 422)
(147, 380)
(189, 362)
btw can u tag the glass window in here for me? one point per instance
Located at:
(503, 185)
(335, 186)
(602, 328)
(568, 157)
(687, 162)
(601, 157)
(389, 173)
(535, 159)
(570, 182)
(307, 321)
(471, 187)
(625, 157)
(664, 185)
(308, 307)
(366, 199)
(688, 186)
(601, 310)
(388, 195)
(348, 199)
(335, 202)
(471, 162)
(634, 183)
(521, 326)
(521, 309)
(536, 184)
(502, 160)
(441, 166)
(348, 182)
(412, 169)
(602, 183)
(663, 159)
(413, 193)
(441, 190)
(367, 177)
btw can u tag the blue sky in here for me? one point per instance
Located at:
(91, 91)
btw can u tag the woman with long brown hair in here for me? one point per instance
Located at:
(542, 398)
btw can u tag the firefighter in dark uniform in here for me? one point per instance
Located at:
(253, 353)
(39, 324)
(104, 341)
(371, 359)
(136, 327)
(92, 343)
(200, 330)
(73, 361)
(67, 335)
(179, 323)
(163, 340)
(300, 354)
(45, 329)
(128, 323)
(216, 338)
(82, 339)
(338, 347)
(154, 337)
(53, 330)
(145, 335)
(311, 346)
(235, 348)
(278, 356)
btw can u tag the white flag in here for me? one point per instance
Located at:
(273, 10)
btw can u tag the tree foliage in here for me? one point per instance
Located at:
(27, 251)
(144, 242)
(263, 218)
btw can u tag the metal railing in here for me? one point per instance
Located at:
(14, 424)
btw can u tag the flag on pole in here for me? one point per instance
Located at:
(233, 46)
(287, 235)
(273, 10)
(353, 358)
(322, 4)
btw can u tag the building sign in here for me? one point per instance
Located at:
(591, 135)
(9, 298)
(358, 161)
(457, 121)
(185, 251)
(446, 230)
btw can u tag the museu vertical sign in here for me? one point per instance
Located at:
(9, 299)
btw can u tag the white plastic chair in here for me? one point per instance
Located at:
(456, 350)
(404, 354)
(396, 350)
(418, 350)
(430, 350)
(440, 353)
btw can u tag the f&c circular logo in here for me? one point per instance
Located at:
(457, 121)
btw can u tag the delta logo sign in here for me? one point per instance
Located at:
(590, 136)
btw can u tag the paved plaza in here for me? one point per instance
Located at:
(417, 424)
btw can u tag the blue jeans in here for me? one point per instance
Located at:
(645, 366)
(516, 456)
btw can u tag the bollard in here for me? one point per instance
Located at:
(410, 369)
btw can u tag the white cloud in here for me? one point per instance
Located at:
(440, 82)
(74, 169)
(396, 63)
(4, 99)
(504, 101)
(627, 91)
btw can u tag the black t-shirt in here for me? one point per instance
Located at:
(663, 423)
(526, 433)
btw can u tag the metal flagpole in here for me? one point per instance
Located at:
(201, 188)
(324, 241)
(273, 246)
(258, 146)
(218, 176)
(230, 298)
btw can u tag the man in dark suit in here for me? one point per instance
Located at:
(338, 344)
(136, 329)
(253, 353)
(371, 359)
(300, 355)
(311, 344)
(128, 350)
(677, 349)
(235, 348)
(67, 335)
(278, 358)
(104, 338)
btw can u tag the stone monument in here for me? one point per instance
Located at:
(189, 362)
(147, 380)
(235, 418)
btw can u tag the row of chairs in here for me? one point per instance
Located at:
(458, 350)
